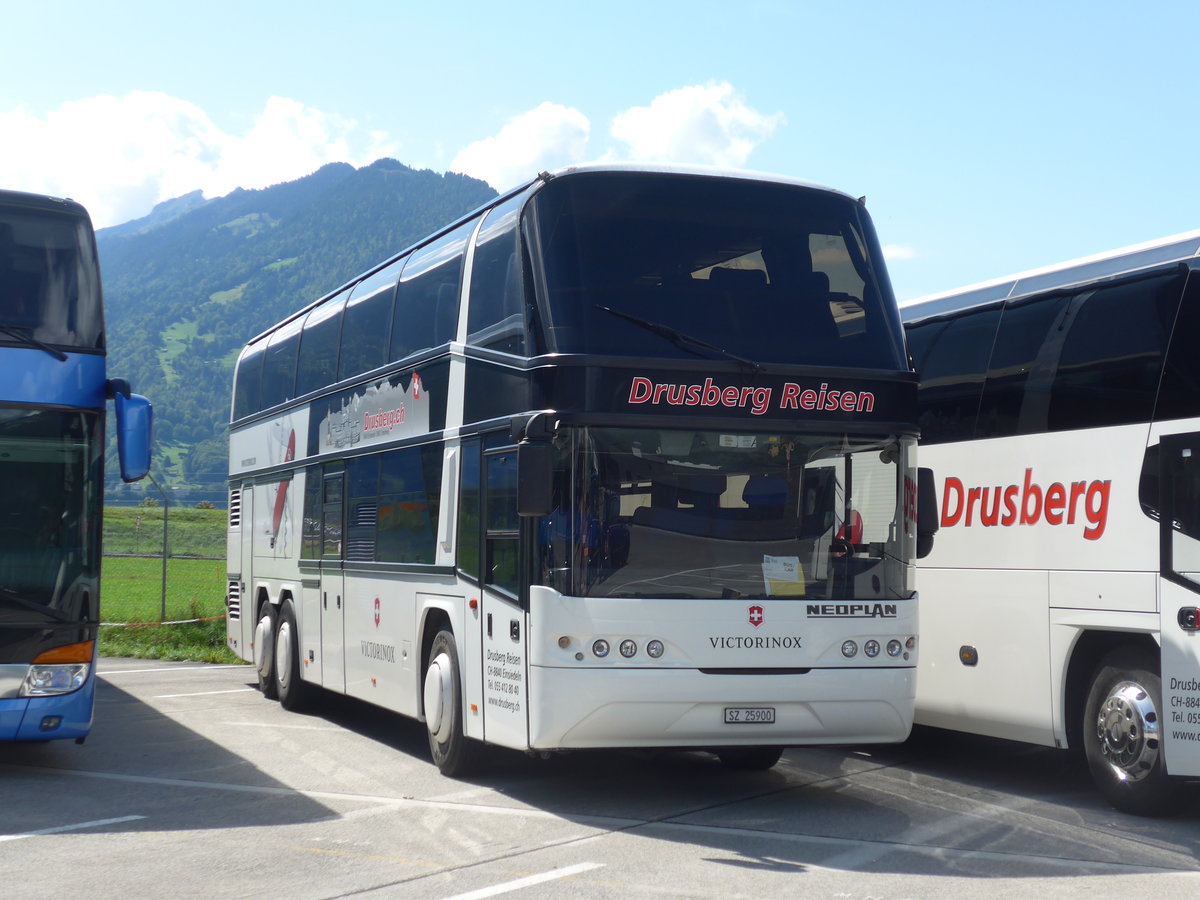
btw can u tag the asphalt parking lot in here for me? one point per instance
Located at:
(193, 785)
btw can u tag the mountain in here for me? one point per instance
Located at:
(188, 285)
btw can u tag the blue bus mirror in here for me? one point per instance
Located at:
(135, 418)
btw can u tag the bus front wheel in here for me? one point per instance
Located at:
(264, 650)
(1121, 736)
(453, 753)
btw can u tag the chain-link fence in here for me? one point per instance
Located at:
(163, 564)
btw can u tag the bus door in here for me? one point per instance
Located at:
(503, 620)
(333, 653)
(1179, 609)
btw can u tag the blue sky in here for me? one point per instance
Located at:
(988, 139)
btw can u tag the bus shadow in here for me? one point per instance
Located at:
(941, 803)
(139, 770)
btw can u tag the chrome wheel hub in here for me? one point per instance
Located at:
(1127, 727)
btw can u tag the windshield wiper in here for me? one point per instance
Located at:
(29, 339)
(10, 595)
(680, 339)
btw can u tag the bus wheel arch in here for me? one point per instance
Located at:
(266, 623)
(442, 703)
(1089, 651)
(1121, 738)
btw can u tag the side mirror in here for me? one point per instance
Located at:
(135, 417)
(535, 474)
(927, 512)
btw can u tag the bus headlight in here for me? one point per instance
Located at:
(894, 648)
(849, 649)
(46, 680)
(628, 648)
(600, 648)
(654, 649)
(871, 648)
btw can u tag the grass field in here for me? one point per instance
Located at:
(131, 591)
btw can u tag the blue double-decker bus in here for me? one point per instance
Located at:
(53, 393)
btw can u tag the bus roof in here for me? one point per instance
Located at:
(41, 202)
(1114, 263)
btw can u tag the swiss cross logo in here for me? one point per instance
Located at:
(756, 616)
(376, 612)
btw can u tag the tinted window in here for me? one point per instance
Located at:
(362, 507)
(310, 539)
(319, 346)
(1020, 375)
(469, 511)
(49, 279)
(775, 273)
(410, 485)
(954, 359)
(1112, 354)
(247, 381)
(1179, 393)
(368, 322)
(279, 367)
(503, 524)
(496, 317)
(427, 296)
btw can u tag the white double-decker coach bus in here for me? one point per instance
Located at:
(1060, 411)
(623, 459)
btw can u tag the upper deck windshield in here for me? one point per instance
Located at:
(769, 272)
(697, 514)
(49, 280)
(50, 499)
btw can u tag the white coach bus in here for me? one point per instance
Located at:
(623, 459)
(1060, 411)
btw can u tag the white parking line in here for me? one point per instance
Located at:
(105, 673)
(61, 828)
(244, 690)
(509, 886)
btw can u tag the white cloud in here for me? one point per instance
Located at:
(121, 155)
(898, 251)
(705, 124)
(547, 137)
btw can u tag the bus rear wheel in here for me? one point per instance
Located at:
(264, 650)
(749, 759)
(1121, 737)
(453, 753)
(294, 692)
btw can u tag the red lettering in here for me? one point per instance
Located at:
(972, 502)
(1027, 503)
(1010, 505)
(1032, 492)
(729, 396)
(1097, 509)
(990, 516)
(1056, 500)
(956, 486)
(808, 400)
(787, 400)
(640, 389)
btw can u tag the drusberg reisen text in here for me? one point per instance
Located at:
(758, 399)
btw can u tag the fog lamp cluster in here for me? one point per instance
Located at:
(895, 648)
(627, 647)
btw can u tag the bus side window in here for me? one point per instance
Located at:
(310, 539)
(1112, 355)
(1021, 372)
(469, 511)
(279, 367)
(317, 366)
(368, 322)
(427, 295)
(1179, 393)
(952, 374)
(502, 522)
(247, 381)
(496, 317)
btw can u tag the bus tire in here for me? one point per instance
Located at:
(453, 753)
(264, 650)
(294, 692)
(1121, 722)
(749, 759)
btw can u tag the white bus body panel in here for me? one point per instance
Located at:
(671, 702)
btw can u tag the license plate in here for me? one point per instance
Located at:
(749, 715)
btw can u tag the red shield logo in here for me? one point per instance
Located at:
(376, 612)
(756, 616)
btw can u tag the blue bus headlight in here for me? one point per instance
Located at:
(44, 680)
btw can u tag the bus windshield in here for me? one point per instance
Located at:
(50, 500)
(699, 514)
(49, 281)
(686, 267)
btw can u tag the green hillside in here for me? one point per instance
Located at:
(188, 285)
